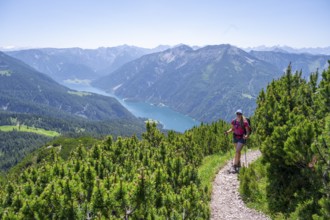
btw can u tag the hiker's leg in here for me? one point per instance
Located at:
(240, 152)
(235, 147)
(235, 140)
(239, 147)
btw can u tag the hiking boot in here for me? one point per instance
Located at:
(232, 169)
(237, 167)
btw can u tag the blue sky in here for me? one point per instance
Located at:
(148, 23)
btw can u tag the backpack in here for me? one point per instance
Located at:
(248, 120)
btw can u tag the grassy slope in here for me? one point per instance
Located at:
(209, 169)
(24, 128)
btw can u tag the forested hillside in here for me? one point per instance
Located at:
(23, 89)
(152, 178)
(15, 145)
(31, 98)
(292, 127)
(74, 126)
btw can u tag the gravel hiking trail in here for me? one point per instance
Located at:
(226, 202)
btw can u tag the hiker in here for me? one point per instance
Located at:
(241, 129)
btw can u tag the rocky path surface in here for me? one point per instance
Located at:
(226, 202)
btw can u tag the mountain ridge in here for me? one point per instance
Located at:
(307, 63)
(24, 89)
(226, 59)
(287, 49)
(77, 63)
(179, 75)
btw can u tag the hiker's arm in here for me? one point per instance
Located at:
(247, 128)
(230, 130)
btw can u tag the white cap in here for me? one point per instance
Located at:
(239, 111)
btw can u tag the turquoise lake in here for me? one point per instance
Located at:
(169, 118)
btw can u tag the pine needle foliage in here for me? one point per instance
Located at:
(155, 177)
(292, 129)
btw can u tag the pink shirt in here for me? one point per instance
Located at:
(238, 129)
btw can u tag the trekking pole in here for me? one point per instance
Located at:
(231, 157)
(245, 153)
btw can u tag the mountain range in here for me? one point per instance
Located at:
(306, 63)
(208, 83)
(78, 65)
(205, 83)
(286, 49)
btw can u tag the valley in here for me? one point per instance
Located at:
(168, 118)
(28, 91)
(205, 84)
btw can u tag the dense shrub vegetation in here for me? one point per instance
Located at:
(292, 124)
(152, 178)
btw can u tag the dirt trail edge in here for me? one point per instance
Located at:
(226, 202)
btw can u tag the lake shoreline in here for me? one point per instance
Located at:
(164, 115)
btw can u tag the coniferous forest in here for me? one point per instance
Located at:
(292, 123)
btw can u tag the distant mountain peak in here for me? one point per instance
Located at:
(171, 54)
(161, 47)
(221, 47)
(287, 49)
(232, 50)
(181, 47)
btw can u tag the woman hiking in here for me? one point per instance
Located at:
(241, 129)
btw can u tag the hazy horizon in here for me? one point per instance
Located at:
(147, 24)
(261, 47)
